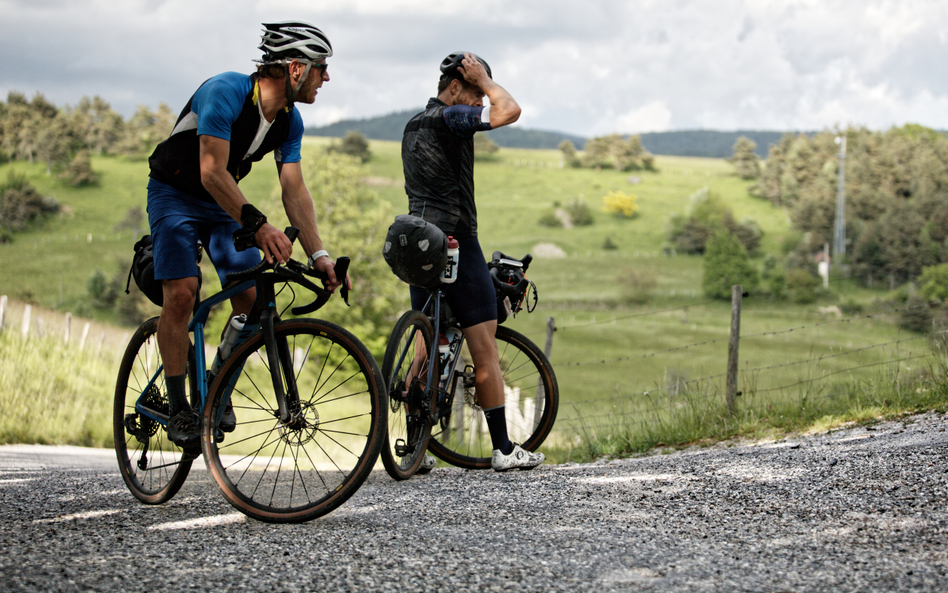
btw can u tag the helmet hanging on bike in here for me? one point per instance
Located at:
(293, 40)
(416, 251)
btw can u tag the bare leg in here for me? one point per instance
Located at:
(179, 295)
(488, 382)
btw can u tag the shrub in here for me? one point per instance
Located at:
(916, 315)
(579, 213)
(21, 204)
(726, 263)
(102, 292)
(934, 282)
(774, 278)
(353, 144)
(550, 219)
(484, 148)
(801, 285)
(635, 286)
(79, 171)
(621, 204)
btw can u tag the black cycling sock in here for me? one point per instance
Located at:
(177, 398)
(497, 425)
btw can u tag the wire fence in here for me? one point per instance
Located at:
(662, 389)
(760, 378)
(29, 322)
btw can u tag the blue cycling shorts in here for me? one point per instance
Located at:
(178, 221)
(472, 297)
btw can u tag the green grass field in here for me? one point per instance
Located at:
(635, 363)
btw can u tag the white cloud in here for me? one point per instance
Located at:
(651, 117)
(588, 68)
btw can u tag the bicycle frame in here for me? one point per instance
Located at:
(195, 326)
(434, 383)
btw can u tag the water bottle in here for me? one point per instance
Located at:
(450, 273)
(448, 348)
(227, 342)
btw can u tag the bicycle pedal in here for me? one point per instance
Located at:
(402, 449)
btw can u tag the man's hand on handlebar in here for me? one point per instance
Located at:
(327, 266)
(274, 244)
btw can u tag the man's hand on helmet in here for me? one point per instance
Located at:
(473, 70)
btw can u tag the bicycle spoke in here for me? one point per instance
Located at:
(300, 467)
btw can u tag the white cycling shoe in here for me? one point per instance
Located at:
(427, 464)
(518, 459)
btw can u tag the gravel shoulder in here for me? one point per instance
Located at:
(858, 509)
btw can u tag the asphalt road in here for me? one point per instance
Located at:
(853, 510)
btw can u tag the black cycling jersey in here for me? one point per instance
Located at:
(438, 162)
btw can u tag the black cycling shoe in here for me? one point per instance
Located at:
(228, 419)
(184, 430)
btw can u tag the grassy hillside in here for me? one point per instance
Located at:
(520, 186)
(617, 363)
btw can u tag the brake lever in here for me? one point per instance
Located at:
(342, 269)
(322, 295)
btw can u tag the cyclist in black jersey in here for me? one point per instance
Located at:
(438, 161)
(232, 121)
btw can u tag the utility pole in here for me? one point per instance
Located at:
(839, 229)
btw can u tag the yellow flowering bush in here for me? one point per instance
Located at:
(621, 204)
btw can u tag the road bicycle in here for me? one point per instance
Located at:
(306, 393)
(432, 398)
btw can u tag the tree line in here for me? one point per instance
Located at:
(35, 130)
(896, 197)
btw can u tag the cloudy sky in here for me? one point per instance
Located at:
(589, 67)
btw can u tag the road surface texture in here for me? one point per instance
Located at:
(858, 509)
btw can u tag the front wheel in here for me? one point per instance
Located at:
(405, 369)
(292, 469)
(532, 400)
(152, 466)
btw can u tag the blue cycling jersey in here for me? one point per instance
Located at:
(226, 106)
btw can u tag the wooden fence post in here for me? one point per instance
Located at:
(68, 323)
(550, 328)
(85, 334)
(547, 349)
(25, 326)
(737, 292)
(3, 312)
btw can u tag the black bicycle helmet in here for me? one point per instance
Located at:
(416, 251)
(293, 40)
(449, 66)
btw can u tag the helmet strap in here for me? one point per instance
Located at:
(290, 91)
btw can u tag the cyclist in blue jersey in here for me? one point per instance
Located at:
(232, 121)
(438, 161)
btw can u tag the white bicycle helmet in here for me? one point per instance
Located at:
(293, 40)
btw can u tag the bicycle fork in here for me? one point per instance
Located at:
(281, 372)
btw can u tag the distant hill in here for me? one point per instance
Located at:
(391, 127)
(703, 143)
(707, 143)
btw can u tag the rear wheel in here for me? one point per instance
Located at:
(405, 369)
(296, 469)
(152, 466)
(531, 403)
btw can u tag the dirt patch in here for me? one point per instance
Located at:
(548, 251)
